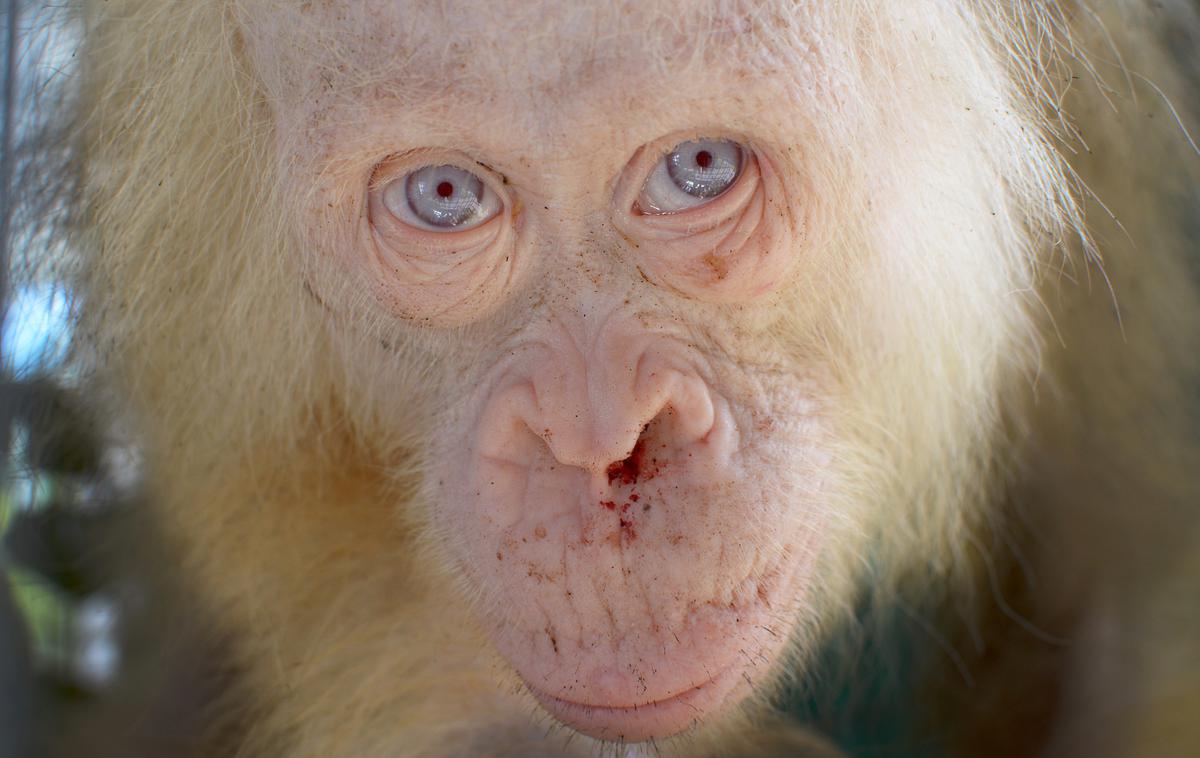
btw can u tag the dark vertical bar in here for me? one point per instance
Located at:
(16, 676)
(8, 99)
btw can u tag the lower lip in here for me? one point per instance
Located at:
(638, 723)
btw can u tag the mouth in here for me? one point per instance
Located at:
(650, 720)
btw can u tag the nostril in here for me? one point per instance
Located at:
(658, 446)
(628, 470)
(596, 417)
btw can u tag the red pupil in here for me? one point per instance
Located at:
(703, 158)
(445, 189)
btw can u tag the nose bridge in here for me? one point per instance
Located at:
(594, 394)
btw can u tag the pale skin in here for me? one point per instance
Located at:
(634, 591)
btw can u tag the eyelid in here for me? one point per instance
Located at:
(397, 167)
(706, 215)
(414, 239)
(690, 220)
(662, 193)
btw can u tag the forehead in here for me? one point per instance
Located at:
(426, 51)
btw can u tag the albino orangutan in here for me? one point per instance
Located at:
(724, 377)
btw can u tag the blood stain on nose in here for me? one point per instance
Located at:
(639, 466)
(628, 470)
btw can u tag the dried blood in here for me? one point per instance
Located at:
(628, 530)
(628, 470)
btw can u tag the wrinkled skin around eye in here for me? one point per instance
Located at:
(717, 243)
(440, 249)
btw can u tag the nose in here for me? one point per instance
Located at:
(596, 412)
(590, 399)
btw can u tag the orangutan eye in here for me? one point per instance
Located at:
(441, 199)
(691, 175)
